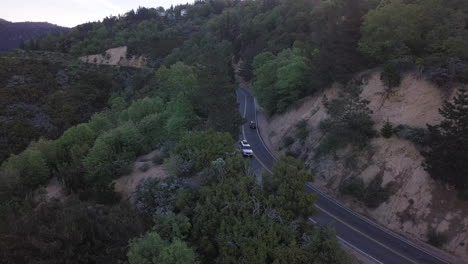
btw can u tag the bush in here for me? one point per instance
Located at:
(387, 130)
(443, 70)
(376, 194)
(179, 167)
(353, 186)
(152, 128)
(373, 195)
(151, 249)
(417, 135)
(288, 141)
(33, 236)
(462, 195)
(171, 227)
(349, 122)
(143, 108)
(302, 130)
(437, 239)
(113, 153)
(201, 148)
(25, 171)
(390, 76)
(155, 195)
(157, 159)
(145, 167)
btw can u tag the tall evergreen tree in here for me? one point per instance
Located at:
(447, 159)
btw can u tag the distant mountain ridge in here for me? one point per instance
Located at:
(12, 34)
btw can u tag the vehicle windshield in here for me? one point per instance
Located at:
(247, 147)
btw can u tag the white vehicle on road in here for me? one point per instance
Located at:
(245, 148)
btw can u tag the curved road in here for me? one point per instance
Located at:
(360, 234)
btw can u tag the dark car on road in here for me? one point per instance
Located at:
(252, 125)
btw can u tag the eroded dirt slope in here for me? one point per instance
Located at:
(116, 56)
(418, 203)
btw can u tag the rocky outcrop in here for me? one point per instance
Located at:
(117, 57)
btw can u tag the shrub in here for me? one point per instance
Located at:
(101, 122)
(26, 171)
(145, 167)
(387, 130)
(157, 159)
(376, 194)
(80, 135)
(113, 153)
(202, 148)
(152, 249)
(437, 239)
(390, 76)
(439, 76)
(353, 186)
(288, 141)
(462, 195)
(373, 195)
(152, 128)
(156, 195)
(417, 135)
(77, 225)
(179, 167)
(302, 130)
(446, 158)
(140, 109)
(349, 122)
(171, 227)
(443, 70)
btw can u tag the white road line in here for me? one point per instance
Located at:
(365, 235)
(266, 168)
(358, 250)
(258, 132)
(338, 204)
(350, 211)
(374, 224)
(351, 245)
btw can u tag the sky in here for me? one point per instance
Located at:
(70, 13)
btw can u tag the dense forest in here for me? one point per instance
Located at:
(13, 34)
(85, 125)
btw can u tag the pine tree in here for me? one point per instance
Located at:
(447, 159)
(387, 130)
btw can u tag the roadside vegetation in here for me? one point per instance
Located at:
(210, 208)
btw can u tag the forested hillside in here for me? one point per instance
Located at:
(209, 208)
(43, 93)
(13, 34)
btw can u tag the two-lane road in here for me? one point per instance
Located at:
(357, 232)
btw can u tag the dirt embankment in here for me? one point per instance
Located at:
(143, 168)
(418, 202)
(116, 56)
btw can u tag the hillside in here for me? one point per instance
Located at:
(43, 93)
(417, 203)
(117, 57)
(13, 34)
(131, 123)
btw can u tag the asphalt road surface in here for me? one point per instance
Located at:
(374, 242)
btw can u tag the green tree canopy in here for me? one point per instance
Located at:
(447, 159)
(412, 28)
(140, 109)
(204, 147)
(113, 152)
(349, 121)
(178, 78)
(152, 249)
(285, 188)
(280, 80)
